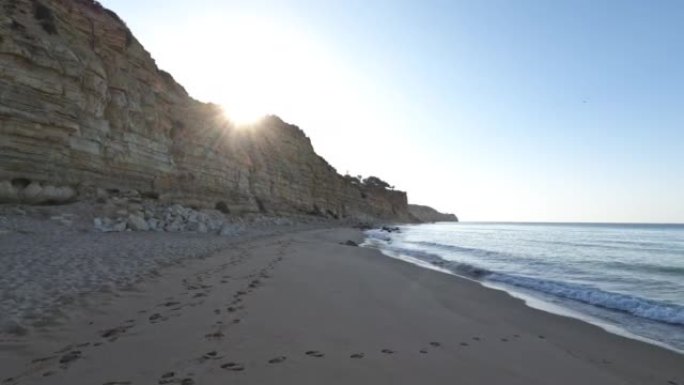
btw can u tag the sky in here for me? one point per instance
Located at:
(496, 110)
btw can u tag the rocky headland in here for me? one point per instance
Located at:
(428, 214)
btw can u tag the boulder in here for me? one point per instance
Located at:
(8, 193)
(31, 193)
(137, 223)
(154, 224)
(174, 226)
(107, 225)
(229, 230)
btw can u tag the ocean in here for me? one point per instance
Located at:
(626, 278)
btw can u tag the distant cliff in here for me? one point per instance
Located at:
(428, 214)
(83, 105)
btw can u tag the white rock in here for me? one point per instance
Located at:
(176, 210)
(229, 230)
(202, 228)
(137, 223)
(107, 225)
(7, 192)
(32, 193)
(57, 194)
(100, 224)
(174, 226)
(118, 226)
(214, 224)
(154, 224)
(193, 216)
(63, 219)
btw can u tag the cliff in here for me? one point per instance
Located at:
(84, 106)
(428, 214)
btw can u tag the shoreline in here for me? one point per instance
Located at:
(302, 308)
(537, 302)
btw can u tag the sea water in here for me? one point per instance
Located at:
(627, 278)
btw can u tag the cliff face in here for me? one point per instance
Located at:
(428, 214)
(83, 105)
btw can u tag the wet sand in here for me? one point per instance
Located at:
(304, 309)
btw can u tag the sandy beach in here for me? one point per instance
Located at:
(301, 308)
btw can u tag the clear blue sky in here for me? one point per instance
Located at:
(495, 110)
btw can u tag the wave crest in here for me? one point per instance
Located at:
(672, 314)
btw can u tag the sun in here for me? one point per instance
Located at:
(243, 117)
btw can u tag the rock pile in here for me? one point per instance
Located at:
(130, 212)
(24, 190)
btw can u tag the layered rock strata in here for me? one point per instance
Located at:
(84, 106)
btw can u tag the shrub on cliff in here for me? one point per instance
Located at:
(375, 182)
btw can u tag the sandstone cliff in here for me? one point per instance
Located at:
(83, 105)
(428, 214)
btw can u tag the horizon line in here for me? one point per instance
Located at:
(577, 222)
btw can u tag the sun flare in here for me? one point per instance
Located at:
(243, 117)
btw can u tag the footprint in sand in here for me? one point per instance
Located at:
(70, 357)
(168, 375)
(277, 360)
(114, 333)
(214, 335)
(314, 353)
(42, 359)
(234, 366)
(357, 355)
(65, 349)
